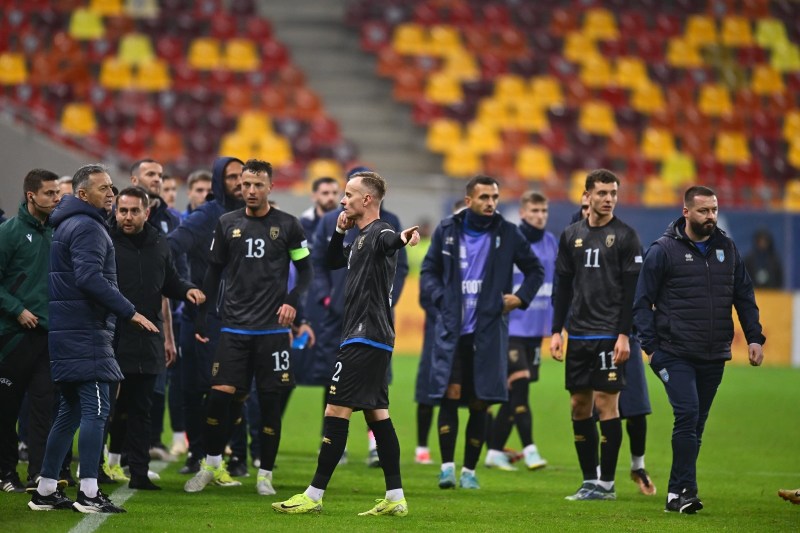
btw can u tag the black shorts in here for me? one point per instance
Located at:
(525, 353)
(360, 377)
(463, 371)
(590, 365)
(239, 357)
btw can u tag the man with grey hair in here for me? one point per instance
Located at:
(84, 304)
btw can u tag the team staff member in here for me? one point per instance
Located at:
(691, 279)
(255, 247)
(468, 272)
(360, 379)
(597, 266)
(24, 358)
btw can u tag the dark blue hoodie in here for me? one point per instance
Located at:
(84, 295)
(193, 236)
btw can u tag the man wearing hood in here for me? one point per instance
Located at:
(468, 273)
(192, 240)
(84, 306)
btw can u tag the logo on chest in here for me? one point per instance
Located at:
(361, 241)
(236, 233)
(578, 243)
(274, 231)
(610, 241)
(688, 257)
(721, 256)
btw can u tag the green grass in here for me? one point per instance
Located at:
(750, 450)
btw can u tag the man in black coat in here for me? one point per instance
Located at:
(146, 272)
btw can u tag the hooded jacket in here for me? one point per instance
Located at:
(145, 274)
(684, 297)
(441, 280)
(193, 236)
(85, 301)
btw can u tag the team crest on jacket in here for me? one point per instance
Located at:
(721, 255)
(578, 243)
(236, 233)
(610, 241)
(361, 241)
(273, 232)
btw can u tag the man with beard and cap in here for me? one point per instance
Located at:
(691, 279)
(192, 239)
(468, 274)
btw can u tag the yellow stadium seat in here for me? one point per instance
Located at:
(78, 119)
(596, 73)
(648, 98)
(13, 70)
(319, 168)
(462, 65)
(240, 55)
(444, 89)
(546, 91)
(510, 88)
(496, 114)
(701, 30)
(736, 31)
(597, 117)
(86, 24)
(600, 24)
(443, 41)
(534, 163)
(108, 8)
(579, 47)
(275, 149)
(410, 39)
(483, 138)
(785, 57)
(204, 54)
(791, 196)
(631, 72)
(731, 148)
(461, 161)
(530, 116)
(236, 145)
(135, 49)
(657, 144)
(770, 32)
(791, 125)
(715, 100)
(678, 169)
(683, 54)
(656, 193)
(115, 74)
(153, 76)
(253, 125)
(141, 8)
(577, 185)
(443, 133)
(793, 157)
(767, 80)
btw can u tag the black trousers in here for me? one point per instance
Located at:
(130, 426)
(25, 368)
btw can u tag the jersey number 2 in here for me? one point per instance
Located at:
(255, 248)
(281, 360)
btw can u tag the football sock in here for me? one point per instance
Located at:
(114, 459)
(47, 486)
(214, 460)
(333, 443)
(448, 429)
(270, 438)
(388, 452)
(474, 442)
(488, 426)
(217, 410)
(89, 486)
(503, 423)
(586, 445)
(424, 420)
(518, 400)
(608, 485)
(637, 463)
(609, 447)
(314, 493)
(636, 427)
(394, 495)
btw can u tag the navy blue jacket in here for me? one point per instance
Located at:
(193, 236)
(84, 296)
(441, 280)
(684, 298)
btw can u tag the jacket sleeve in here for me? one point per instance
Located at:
(9, 304)
(744, 300)
(400, 275)
(531, 268)
(648, 287)
(321, 286)
(188, 235)
(174, 287)
(432, 272)
(88, 260)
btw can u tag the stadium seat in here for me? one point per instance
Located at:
(767, 80)
(153, 76)
(630, 72)
(204, 53)
(769, 32)
(791, 197)
(534, 163)
(108, 8)
(78, 119)
(785, 57)
(657, 144)
(546, 91)
(793, 157)
(141, 8)
(597, 118)
(13, 70)
(273, 148)
(682, 53)
(461, 161)
(622, 144)
(135, 49)
(701, 30)
(678, 169)
(409, 85)
(736, 31)
(253, 124)
(167, 146)
(115, 74)
(235, 144)
(731, 148)
(791, 125)
(648, 98)
(240, 55)
(563, 21)
(657, 193)
(600, 24)
(578, 47)
(410, 39)
(462, 65)
(442, 134)
(443, 41)
(530, 116)
(483, 138)
(596, 72)
(497, 114)
(274, 55)
(715, 100)
(86, 24)
(510, 88)
(443, 89)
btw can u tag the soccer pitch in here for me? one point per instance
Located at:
(750, 449)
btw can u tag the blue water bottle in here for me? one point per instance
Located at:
(300, 341)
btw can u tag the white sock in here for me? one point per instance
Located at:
(47, 486)
(178, 437)
(89, 486)
(394, 495)
(314, 493)
(213, 460)
(671, 496)
(465, 470)
(265, 473)
(445, 466)
(637, 462)
(598, 471)
(422, 449)
(592, 481)
(608, 485)
(114, 458)
(372, 444)
(491, 454)
(530, 448)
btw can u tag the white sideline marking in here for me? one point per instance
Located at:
(796, 330)
(92, 522)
